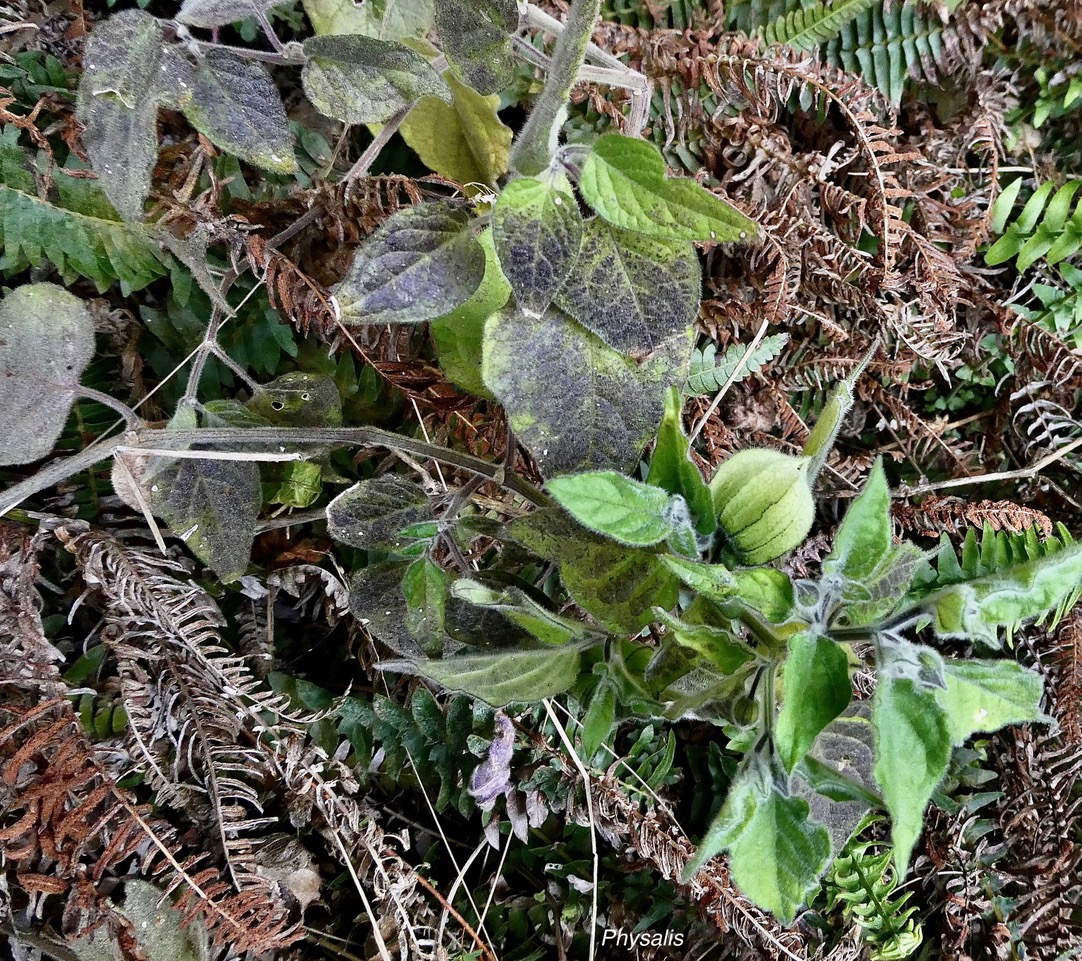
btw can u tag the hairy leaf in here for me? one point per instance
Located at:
(537, 230)
(714, 644)
(617, 585)
(377, 601)
(624, 180)
(396, 20)
(425, 587)
(460, 334)
(523, 611)
(815, 690)
(119, 93)
(211, 505)
(372, 513)
(672, 468)
(46, 341)
(464, 141)
(776, 852)
(864, 536)
(219, 13)
(575, 402)
(978, 608)
(634, 292)
(713, 581)
(500, 678)
(476, 37)
(421, 263)
(912, 751)
(984, 695)
(615, 506)
(357, 80)
(234, 103)
(298, 399)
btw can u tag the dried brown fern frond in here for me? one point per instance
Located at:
(954, 515)
(66, 827)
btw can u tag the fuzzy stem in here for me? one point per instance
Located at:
(534, 147)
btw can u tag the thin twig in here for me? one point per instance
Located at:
(737, 371)
(366, 159)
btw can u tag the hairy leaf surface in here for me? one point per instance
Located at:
(537, 230)
(615, 506)
(672, 468)
(476, 37)
(357, 80)
(815, 690)
(234, 103)
(985, 695)
(422, 263)
(219, 13)
(633, 291)
(396, 20)
(372, 513)
(46, 341)
(575, 402)
(464, 141)
(624, 180)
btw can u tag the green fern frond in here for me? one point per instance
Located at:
(1047, 227)
(808, 29)
(994, 552)
(663, 15)
(888, 46)
(80, 234)
(707, 374)
(751, 16)
(863, 883)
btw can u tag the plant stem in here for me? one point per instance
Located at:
(130, 417)
(535, 145)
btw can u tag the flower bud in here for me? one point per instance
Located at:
(763, 503)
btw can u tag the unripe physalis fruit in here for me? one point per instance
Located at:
(763, 503)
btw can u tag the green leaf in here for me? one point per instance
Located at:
(459, 335)
(500, 678)
(599, 718)
(985, 695)
(373, 513)
(616, 506)
(575, 402)
(777, 854)
(298, 399)
(211, 505)
(46, 342)
(633, 291)
(815, 690)
(235, 104)
(616, 585)
(425, 585)
(523, 611)
(713, 581)
(672, 468)
(537, 230)
(119, 93)
(476, 37)
(714, 644)
(220, 13)
(766, 590)
(624, 180)
(464, 141)
(396, 20)
(422, 263)
(358, 80)
(865, 534)
(976, 609)
(912, 752)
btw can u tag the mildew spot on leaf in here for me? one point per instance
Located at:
(422, 263)
(476, 37)
(46, 341)
(360, 80)
(633, 291)
(582, 405)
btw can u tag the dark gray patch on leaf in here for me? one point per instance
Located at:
(536, 230)
(235, 104)
(218, 13)
(118, 100)
(633, 291)
(46, 341)
(361, 80)
(476, 37)
(421, 264)
(371, 513)
(212, 505)
(573, 400)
